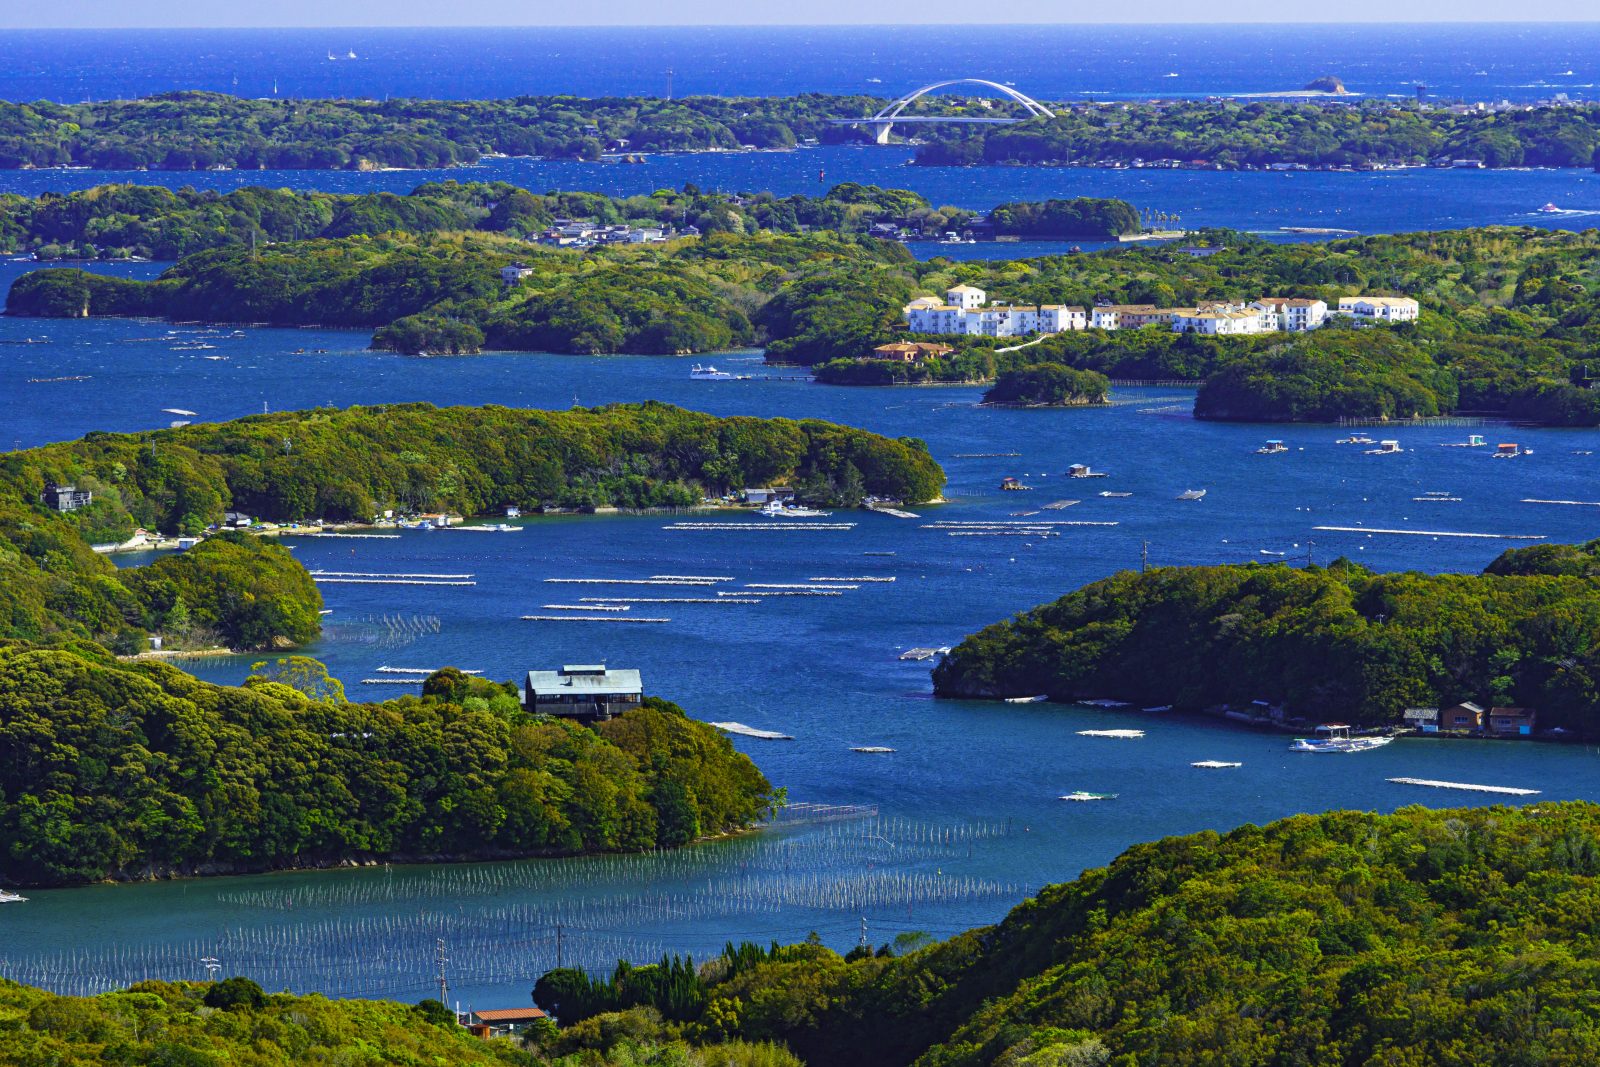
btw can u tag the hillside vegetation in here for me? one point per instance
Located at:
(1347, 939)
(1335, 643)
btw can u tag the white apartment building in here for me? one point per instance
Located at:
(1295, 314)
(1224, 322)
(1384, 309)
(965, 297)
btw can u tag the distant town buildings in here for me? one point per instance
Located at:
(964, 310)
(577, 233)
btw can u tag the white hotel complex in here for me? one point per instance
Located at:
(964, 310)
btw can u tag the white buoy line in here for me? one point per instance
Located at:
(1431, 533)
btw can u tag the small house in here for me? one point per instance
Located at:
(1511, 722)
(586, 692)
(236, 520)
(513, 273)
(1423, 720)
(65, 497)
(1012, 485)
(502, 1022)
(910, 351)
(1465, 717)
(780, 493)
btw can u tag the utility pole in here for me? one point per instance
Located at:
(444, 984)
(670, 73)
(213, 967)
(863, 931)
(1144, 556)
(560, 945)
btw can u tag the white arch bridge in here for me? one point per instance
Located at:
(884, 120)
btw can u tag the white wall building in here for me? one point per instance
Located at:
(966, 297)
(1295, 314)
(1384, 309)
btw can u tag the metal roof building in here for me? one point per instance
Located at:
(586, 691)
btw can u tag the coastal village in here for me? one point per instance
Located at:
(965, 311)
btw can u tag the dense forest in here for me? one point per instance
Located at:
(341, 465)
(1323, 643)
(172, 775)
(1229, 134)
(1346, 939)
(204, 130)
(1049, 385)
(112, 222)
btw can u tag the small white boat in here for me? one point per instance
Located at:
(1335, 737)
(1084, 794)
(8, 897)
(1215, 764)
(1102, 702)
(871, 749)
(1192, 494)
(1121, 735)
(1041, 698)
(350, 55)
(709, 373)
(1385, 448)
(1157, 708)
(1109, 493)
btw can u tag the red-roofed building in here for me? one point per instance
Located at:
(502, 1022)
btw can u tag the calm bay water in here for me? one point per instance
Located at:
(968, 821)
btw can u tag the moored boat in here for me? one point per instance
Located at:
(1335, 737)
(1084, 794)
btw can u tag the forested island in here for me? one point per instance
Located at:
(1048, 385)
(1320, 643)
(171, 775)
(353, 464)
(1510, 315)
(204, 130)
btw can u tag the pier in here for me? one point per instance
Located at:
(1505, 790)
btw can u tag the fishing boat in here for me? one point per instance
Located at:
(1192, 494)
(1041, 698)
(1335, 737)
(1272, 448)
(1214, 764)
(775, 509)
(1084, 794)
(1385, 448)
(1549, 209)
(1109, 493)
(1355, 439)
(7, 897)
(709, 373)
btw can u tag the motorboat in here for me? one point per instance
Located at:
(1550, 209)
(709, 373)
(776, 509)
(1272, 448)
(1385, 448)
(1084, 794)
(1335, 737)
(8, 897)
(1192, 494)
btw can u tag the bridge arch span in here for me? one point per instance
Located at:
(1032, 106)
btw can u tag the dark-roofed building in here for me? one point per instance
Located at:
(1511, 722)
(587, 692)
(66, 497)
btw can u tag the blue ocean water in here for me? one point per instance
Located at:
(1062, 62)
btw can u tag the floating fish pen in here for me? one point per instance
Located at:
(1504, 790)
(588, 618)
(419, 670)
(1215, 764)
(392, 681)
(585, 607)
(764, 527)
(1060, 505)
(693, 577)
(1126, 735)
(1567, 503)
(1432, 533)
(750, 731)
(384, 581)
(781, 592)
(357, 536)
(856, 579)
(596, 600)
(875, 750)
(626, 581)
(370, 574)
(796, 585)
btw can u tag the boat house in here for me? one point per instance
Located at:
(1511, 722)
(586, 692)
(65, 497)
(1423, 720)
